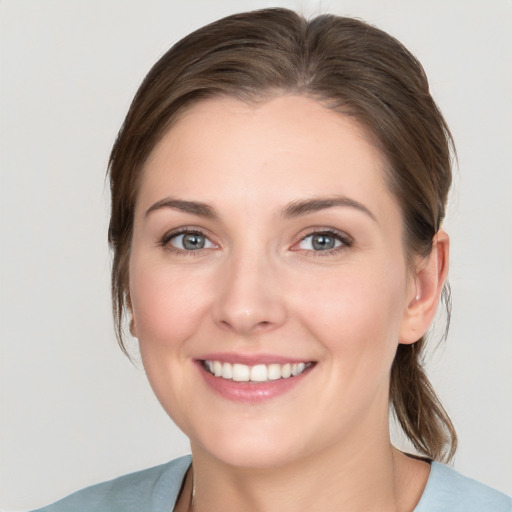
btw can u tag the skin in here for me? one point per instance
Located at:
(260, 287)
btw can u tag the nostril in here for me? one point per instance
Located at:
(245, 325)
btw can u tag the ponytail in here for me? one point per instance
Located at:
(417, 407)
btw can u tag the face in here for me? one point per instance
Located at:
(268, 280)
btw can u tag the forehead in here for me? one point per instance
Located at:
(282, 148)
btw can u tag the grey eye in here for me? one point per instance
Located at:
(323, 242)
(320, 242)
(190, 241)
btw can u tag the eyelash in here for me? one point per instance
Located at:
(345, 241)
(166, 239)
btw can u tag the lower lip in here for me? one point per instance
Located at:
(251, 392)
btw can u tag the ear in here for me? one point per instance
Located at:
(133, 329)
(424, 290)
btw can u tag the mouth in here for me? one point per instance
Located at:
(259, 373)
(252, 379)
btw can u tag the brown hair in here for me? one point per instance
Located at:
(351, 67)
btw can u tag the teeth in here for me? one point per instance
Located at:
(274, 371)
(258, 373)
(286, 371)
(241, 372)
(227, 371)
(298, 368)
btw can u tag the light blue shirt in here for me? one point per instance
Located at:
(156, 490)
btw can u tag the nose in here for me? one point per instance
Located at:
(249, 298)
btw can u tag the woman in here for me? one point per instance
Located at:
(278, 191)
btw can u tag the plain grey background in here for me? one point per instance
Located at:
(73, 410)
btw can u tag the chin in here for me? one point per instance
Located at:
(257, 451)
(255, 458)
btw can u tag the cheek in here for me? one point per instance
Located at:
(167, 311)
(166, 307)
(357, 310)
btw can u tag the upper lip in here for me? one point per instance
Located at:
(250, 359)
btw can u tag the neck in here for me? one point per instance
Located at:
(359, 477)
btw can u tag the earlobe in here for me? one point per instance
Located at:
(426, 288)
(133, 329)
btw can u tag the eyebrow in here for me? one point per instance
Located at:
(193, 207)
(298, 208)
(293, 209)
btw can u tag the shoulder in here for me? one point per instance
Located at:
(449, 491)
(152, 489)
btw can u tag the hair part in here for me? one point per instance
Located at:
(350, 67)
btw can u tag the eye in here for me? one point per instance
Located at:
(188, 241)
(323, 241)
(319, 242)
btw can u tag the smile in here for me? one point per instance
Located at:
(257, 373)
